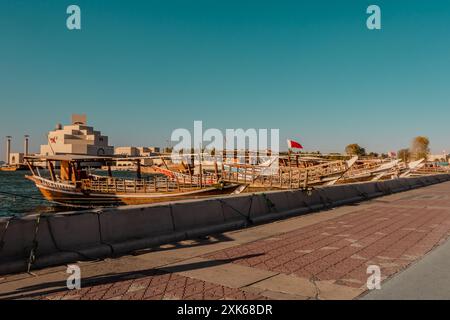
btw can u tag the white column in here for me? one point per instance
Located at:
(25, 145)
(8, 149)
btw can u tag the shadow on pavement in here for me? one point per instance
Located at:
(59, 286)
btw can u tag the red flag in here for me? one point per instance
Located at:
(294, 144)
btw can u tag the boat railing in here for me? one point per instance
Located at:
(155, 184)
(430, 170)
(54, 184)
(362, 169)
(204, 179)
(282, 177)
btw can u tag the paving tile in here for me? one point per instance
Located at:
(391, 237)
(323, 255)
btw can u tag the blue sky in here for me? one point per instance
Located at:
(140, 69)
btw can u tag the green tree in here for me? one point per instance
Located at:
(355, 150)
(420, 147)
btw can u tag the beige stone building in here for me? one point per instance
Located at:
(131, 151)
(136, 151)
(127, 151)
(16, 158)
(148, 151)
(437, 157)
(77, 138)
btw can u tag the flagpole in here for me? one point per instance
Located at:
(289, 156)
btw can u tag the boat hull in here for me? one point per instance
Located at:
(13, 168)
(78, 197)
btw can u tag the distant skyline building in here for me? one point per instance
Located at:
(127, 151)
(438, 157)
(130, 151)
(16, 158)
(76, 138)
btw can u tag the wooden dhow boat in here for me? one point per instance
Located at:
(15, 167)
(429, 168)
(379, 170)
(370, 170)
(73, 184)
(273, 173)
(271, 177)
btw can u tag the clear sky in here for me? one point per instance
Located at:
(140, 69)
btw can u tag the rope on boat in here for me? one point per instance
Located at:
(45, 200)
(32, 256)
(2, 239)
(269, 203)
(52, 236)
(385, 190)
(362, 194)
(23, 196)
(35, 244)
(98, 212)
(250, 210)
(377, 187)
(326, 201)
(172, 219)
(246, 216)
(405, 184)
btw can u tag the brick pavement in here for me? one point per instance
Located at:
(156, 286)
(326, 259)
(341, 249)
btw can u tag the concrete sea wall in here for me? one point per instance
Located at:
(71, 236)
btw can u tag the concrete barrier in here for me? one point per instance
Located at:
(71, 236)
(122, 225)
(189, 215)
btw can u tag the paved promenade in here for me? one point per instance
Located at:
(323, 255)
(427, 279)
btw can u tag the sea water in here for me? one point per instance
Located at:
(19, 196)
(28, 199)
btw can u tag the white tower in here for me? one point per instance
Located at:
(25, 145)
(8, 148)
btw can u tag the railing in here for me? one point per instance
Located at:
(362, 170)
(431, 170)
(204, 179)
(54, 184)
(283, 177)
(155, 184)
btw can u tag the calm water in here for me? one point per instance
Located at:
(15, 182)
(32, 200)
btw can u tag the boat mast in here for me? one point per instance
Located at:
(52, 170)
